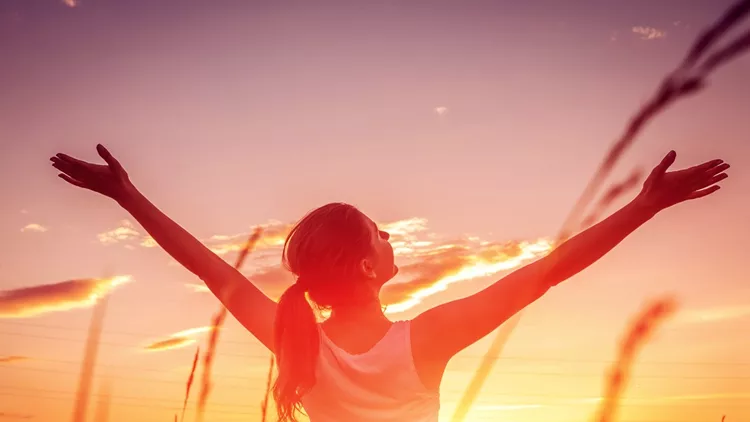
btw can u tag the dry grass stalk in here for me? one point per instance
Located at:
(485, 367)
(264, 403)
(613, 193)
(83, 395)
(103, 405)
(684, 81)
(189, 384)
(676, 85)
(216, 324)
(637, 336)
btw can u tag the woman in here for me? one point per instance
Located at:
(357, 365)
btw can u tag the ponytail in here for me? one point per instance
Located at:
(322, 249)
(296, 343)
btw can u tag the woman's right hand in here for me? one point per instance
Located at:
(109, 180)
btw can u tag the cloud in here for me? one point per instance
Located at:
(709, 315)
(432, 266)
(648, 33)
(70, 3)
(197, 288)
(435, 272)
(12, 359)
(31, 301)
(169, 344)
(5, 415)
(441, 110)
(33, 227)
(507, 407)
(272, 280)
(177, 340)
(273, 236)
(126, 231)
(428, 264)
(149, 242)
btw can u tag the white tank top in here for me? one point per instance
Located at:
(380, 385)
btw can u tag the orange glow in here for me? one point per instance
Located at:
(12, 359)
(477, 266)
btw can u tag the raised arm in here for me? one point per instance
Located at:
(449, 328)
(247, 303)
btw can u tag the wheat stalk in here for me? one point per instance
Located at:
(637, 335)
(216, 324)
(83, 394)
(686, 80)
(189, 384)
(264, 403)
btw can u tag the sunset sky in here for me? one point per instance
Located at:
(466, 129)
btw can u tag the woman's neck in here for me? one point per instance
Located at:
(362, 314)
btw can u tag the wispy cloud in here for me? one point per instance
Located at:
(434, 272)
(56, 297)
(6, 415)
(648, 33)
(169, 344)
(273, 235)
(148, 242)
(70, 3)
(125, 231)
(197, 288)
(12, 359)
(177, 340)
(34, 227)
(441, 110)
(715, 314)
(428, 264)
(507, 407)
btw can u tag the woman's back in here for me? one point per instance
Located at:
(380, 384)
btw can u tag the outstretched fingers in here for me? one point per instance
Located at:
(71, 180)
(704, 192)
(67, 158)
(63, 165)
(704, 167)
(717, 169)
(708, 181)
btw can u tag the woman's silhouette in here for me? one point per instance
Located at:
(357, 365)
